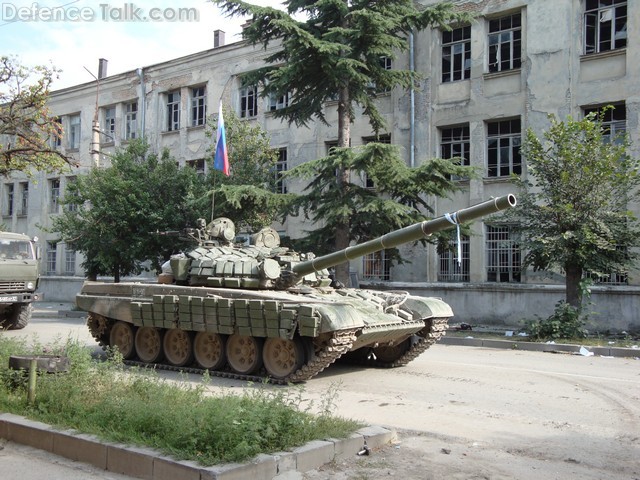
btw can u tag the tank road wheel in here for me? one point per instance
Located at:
(389, 354)
(148, 343)
(208, 349)
(282, 356)
(244, 354)
(178, 347)
(122, 337)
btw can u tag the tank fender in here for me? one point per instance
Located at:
(339, 317)
(117, 308)
(427, 307)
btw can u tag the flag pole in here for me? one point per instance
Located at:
(213, 197)
(221, 157)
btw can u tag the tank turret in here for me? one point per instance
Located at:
(262, 310)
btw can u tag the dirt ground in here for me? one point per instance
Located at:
(486, 414)
(417, 455)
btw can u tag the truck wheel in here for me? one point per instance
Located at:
(17, 316)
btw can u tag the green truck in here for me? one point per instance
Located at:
(19, 277)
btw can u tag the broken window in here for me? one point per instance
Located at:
(505, 35)
(456, 54)
(605, 25)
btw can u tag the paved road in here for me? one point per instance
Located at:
(507, 414)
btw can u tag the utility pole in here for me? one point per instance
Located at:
(95, 127)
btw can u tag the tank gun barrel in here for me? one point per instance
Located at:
(408, 234)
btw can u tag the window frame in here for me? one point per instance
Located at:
(54, 195)
(51, 256)
(248, 96)
(500, 36)
(593, 20)
(449, 45)
(24, 198)
(69, 261)
(75, 131)
(109, 128)
(277, 102)
(614, 122)
(505, 247)
(131, 120)
(173, 106)
(508, 140)
(449, 140)
(280, 185)
(198, 106)
(58, 133)
(9, 195)
(197, 164)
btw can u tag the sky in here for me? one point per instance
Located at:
(73, 35)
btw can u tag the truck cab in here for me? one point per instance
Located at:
(19, 277)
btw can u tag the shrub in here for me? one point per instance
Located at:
(565, 322)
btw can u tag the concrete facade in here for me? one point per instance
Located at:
(518, 62)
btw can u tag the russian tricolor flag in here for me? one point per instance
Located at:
(221, 158)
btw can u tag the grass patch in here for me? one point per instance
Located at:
(137, 407)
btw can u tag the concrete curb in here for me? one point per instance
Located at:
(540, 347)
(40, 312)
(149, 464)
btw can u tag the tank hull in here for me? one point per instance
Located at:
(290, 336)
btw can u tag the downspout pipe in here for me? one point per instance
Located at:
(143, 102)
(412, 106)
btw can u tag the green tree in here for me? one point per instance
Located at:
(336, 52)
(397, 200)
(27, 131)
(111, 214)
(572, 212)
(247, 196)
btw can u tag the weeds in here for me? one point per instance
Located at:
(565, 322)
(137, 407)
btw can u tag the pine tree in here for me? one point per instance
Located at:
(336, 52)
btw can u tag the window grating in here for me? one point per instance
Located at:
(503, 254)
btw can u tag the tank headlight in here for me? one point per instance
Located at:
(31, 286)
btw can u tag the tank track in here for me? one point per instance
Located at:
(340, 343)
(434, 330)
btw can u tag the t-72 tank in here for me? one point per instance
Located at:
(265, 311)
